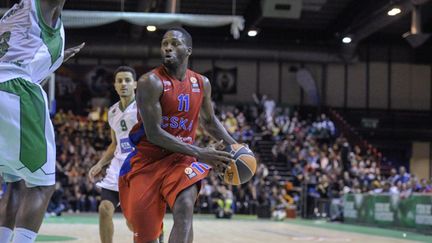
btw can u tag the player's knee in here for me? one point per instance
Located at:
(183, 209)
(106, 209)
(184, 203)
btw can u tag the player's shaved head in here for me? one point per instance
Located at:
(186, 36)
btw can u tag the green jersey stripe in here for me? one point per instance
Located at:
(33, 149)
(51, 37)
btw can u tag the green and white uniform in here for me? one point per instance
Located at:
(30, 50)
(121, 122)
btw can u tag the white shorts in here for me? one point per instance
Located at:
(27, 143)
(110, 181)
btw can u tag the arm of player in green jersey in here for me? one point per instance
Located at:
(71, 52)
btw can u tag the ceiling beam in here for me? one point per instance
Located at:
(370, 21)
(353, 10)
(289, 53)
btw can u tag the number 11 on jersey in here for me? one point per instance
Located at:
(183, 102)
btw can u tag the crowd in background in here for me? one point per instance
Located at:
(321, 162)
(81, 142)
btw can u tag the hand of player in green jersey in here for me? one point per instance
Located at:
(70, 52)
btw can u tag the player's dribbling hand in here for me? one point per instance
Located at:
(217, 159)
(94, 171)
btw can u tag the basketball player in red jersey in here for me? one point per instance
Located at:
(163, 168)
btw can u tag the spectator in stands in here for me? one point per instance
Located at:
(299, 175)
(323, 186)
(246, 135)
(60, 117)
(312, 157)
(205, 200)
(230, 123)
(279, 203)
(403, 176)
(393, 176)
(424, 187)
(241, 119)
(414, 183)
(262, 171)
(267, 105)
(406, 191)
(386, 186)
(95, 114)
(279, 151)
(396, 188)
(223, 198)
(289, 193)
(376, 187)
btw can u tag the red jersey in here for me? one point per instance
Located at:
(181, 103)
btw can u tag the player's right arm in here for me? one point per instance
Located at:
(149, 90)
(107, 156)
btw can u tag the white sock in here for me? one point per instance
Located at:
(5, 234)
(22, 235)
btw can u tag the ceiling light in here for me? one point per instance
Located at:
(394, 11)
(346, 40)
(151, 28)
(252, 33)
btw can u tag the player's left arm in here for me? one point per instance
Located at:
(208, 119)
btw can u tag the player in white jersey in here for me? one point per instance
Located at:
(122, 116)
(31, 48)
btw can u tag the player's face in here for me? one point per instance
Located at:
(124, 84)
(174, 48)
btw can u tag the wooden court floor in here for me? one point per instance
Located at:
(83, 228)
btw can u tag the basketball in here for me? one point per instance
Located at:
(243, 166)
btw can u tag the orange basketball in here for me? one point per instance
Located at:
(243, 166)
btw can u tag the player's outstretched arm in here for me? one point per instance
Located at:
(106, 158)
(149, 90)
(208, 119)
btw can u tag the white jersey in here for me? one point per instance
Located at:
(121, 122)
(29, 48)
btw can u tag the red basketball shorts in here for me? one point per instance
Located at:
(145, 189)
